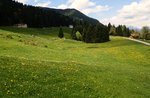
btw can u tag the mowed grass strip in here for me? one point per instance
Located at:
(71, 69)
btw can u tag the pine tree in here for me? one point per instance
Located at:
(61, 34)
(73, 36)
(119, 30)
(109, 26)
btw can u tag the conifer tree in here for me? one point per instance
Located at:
(109, 26)
(61, 34)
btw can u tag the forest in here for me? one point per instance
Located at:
(12, 12)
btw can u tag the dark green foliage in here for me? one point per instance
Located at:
(45, 46)
(127, 33)
(109, 26)
(76, 15)
(120, 30)
(146, 32)
(9, 36)
(73, 36)
(78, 27)
(88, 34)
(60, 34)
(91, 33)
(12, 12)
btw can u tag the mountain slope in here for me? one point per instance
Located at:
(12, 12)
(76, 15)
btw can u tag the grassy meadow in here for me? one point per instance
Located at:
(35, 63)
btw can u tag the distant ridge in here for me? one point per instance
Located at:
(76, 14)
(13, 12)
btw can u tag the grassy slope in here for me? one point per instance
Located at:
(45, 66)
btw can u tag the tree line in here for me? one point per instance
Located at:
(120, 30)
(144, 33)
(90, 33)
(12, 12)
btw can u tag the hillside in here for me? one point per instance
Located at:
(35, 63)
(76, 15)
(12, 12)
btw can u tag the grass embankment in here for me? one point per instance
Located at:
(37, 65)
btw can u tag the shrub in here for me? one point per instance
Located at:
(45, 46)
(20, 40)
(9, 37)
(78, 36)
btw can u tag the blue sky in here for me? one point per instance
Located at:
(129, 12)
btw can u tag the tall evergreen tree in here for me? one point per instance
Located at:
(119, 30)
(60, 34)
(109, 26)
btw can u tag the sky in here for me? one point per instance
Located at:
(134, 13)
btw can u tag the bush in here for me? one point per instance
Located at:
(45, 46)
(78, 36)
(9, 37)
(20, 40)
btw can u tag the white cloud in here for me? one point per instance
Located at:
(135, 14)
(22, 1)
(36, 2)
(85, 6)
(43, 4)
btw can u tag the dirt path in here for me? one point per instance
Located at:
(148, 44)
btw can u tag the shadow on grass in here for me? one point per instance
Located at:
(115, 42)
(121, 42)
(52, 31)
(30, 31)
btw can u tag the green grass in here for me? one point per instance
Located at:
(44, 66)
(147, 41)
